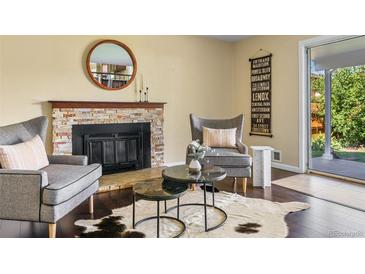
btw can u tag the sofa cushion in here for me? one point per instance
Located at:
(229, 157)
(52, 213)
(66, 181)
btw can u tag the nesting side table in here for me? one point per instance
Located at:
(158, 190)
(261, 166)
(207, 176)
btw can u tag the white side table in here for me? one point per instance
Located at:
(261, 166)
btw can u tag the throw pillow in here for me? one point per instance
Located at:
(30, 155)
(225, 138)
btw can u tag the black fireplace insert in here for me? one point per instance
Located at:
(117, 147)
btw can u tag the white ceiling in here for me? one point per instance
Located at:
(229, 38)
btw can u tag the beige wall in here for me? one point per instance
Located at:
(191, 74)
(285, 92)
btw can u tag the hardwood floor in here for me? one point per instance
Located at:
(333, 190)
(323, 219)
(127, 179)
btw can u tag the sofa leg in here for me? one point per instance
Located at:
(235, 184)
(91, 204)
(244, 185)
(52, 230)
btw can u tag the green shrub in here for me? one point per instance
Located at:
(318, 143)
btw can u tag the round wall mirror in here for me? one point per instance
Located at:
(111, 65)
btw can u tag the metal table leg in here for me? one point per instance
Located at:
(165, 206)
(158, 219)
(134, 211)
(205, 207)
(178, 208)
(213, 189)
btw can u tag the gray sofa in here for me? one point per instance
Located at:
(48, 194)
(236, 161)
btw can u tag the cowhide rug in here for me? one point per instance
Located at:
(247, 217)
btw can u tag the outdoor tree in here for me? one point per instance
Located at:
(347, 104)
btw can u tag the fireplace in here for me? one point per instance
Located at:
(68, 115)
(117, 147)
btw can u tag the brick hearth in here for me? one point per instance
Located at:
(65, 114)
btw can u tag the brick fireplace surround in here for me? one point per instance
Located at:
(68, 113)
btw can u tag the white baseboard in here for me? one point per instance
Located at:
(286, 167)
(175, 163)
(273, 164)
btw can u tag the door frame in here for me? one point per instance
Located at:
(304, 82)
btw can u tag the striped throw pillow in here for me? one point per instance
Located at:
(30, 155)
(219, 137)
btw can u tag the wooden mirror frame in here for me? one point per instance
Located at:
(124, 46)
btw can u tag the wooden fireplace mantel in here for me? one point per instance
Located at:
(103, 104)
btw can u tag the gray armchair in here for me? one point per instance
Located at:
(236, 161)
(48, 194)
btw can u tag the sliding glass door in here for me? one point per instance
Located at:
(337, 108)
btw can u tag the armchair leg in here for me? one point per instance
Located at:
(91, 204)
(235, 184)
(52, 230)
(244, 185)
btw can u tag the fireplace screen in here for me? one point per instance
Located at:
(117, 147)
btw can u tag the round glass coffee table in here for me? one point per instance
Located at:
(207, 176)
(158, 190)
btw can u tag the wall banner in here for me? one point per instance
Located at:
(261, 96)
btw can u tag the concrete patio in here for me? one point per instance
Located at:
(340, 167)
